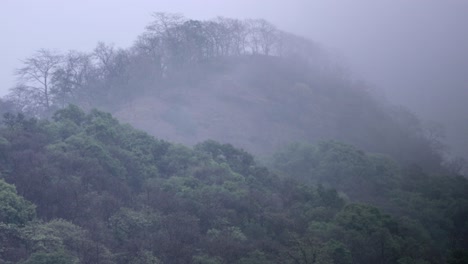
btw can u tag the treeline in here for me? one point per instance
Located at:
(170, 50)
(90, 190)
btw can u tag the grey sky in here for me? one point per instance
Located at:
(27, 25)
(415, 50)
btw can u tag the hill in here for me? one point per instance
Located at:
(241, 82)
(263, 103)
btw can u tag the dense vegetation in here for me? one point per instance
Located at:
(77, 186)
(90, 190)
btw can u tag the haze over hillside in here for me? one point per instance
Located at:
(412, 51)
(237, 81)
(346, 176)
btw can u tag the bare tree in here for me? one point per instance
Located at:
(238, 30)
(70, 80)
(35, 78)
(263, 35)
(25, 99)
(112, 73)
(163, 23)
(230, 35)
(105, 55)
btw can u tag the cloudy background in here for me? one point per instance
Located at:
(413, 51)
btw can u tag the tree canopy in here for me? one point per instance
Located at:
(97, 191)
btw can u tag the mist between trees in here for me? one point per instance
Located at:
(183, 80)
(169, 45)
(77, 186)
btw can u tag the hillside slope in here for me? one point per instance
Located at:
(91, 190)
(262, 103)
(242, 82)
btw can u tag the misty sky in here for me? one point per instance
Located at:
(416, 51)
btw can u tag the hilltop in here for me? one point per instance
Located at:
(243, 82)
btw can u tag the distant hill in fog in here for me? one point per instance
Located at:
(241, 82)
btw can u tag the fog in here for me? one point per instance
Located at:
(414, 52)
(234, 131)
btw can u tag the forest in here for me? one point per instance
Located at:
(143, 155)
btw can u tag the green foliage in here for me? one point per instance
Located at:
(72, 113)
(204, 259)
(237, 159)
(127, 224)
(360, 175)
(50, 240)
(58, 257)
(255, 257)
(431, 206)
(145, 257)
(53, 236)
(14, 209)
(299, 160)
(338, 252)
(107, 193)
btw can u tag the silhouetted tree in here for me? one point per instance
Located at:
(35, 79)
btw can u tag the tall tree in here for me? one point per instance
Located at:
(35, 77)
(72, 78)
(263, 36)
